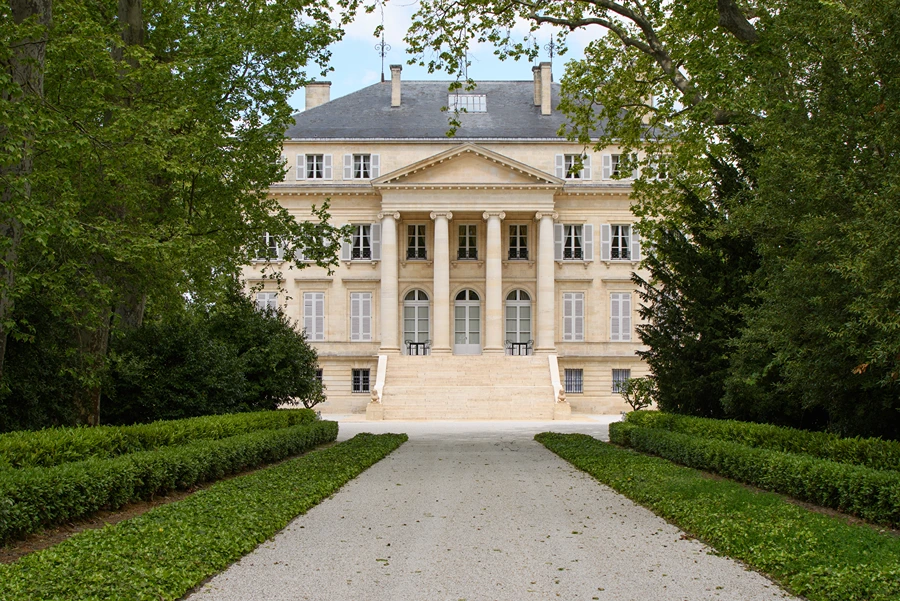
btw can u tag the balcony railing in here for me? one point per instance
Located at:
(572, 253)
(519, 348)
(620, 253)
(467, 253)
(361, 253)
(417, 348)
(416, 253)
(518, 253)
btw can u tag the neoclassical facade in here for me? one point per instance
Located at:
(488, 274)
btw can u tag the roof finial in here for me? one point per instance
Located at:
(551, 48)
(382, 47)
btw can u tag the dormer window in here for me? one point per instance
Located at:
(470, 103)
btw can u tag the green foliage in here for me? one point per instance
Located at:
(34, 498)
(166, 552)
(45, 448)
(869, 452)
(871, 494)
(639, 393)
(820, 557)
(223, 358)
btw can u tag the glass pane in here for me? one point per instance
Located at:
(409, 312)
(409, 325)
(461, 296)
(473, 295)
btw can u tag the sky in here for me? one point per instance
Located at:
(357, 63)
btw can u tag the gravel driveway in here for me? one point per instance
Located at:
(479, 511)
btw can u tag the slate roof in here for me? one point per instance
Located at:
(367, 114)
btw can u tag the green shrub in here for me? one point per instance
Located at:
(871, 452)
(820, 557)
(45, 448)
(164, 553)
(870, 494)
(33, 498)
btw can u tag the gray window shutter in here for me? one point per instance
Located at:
(560, 166)
(346, 249)
(309, 316)
(376, 166)
(607, 166)
(635, 173)
(614, 321)
(625, 314)
(376, 241)
(301, 166)
(355, 315)
(279, 250)
(559, 238)
(568, 313)
(366, 302)
(635, 244)
(605, 242)
(327, 170)
(578, 317)
(348, 166)
(588, 243)
(586, 171)
(320, 315)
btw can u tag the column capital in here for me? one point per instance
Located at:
(394, 214)
(538, 216)
(488, 214)
(434, 215)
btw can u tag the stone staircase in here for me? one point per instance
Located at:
(467, 388)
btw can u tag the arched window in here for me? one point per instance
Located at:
(518, 323)
(467, 323)
(416, 324)
(467, 295)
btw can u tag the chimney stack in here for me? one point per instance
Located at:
(317, 92)
(395, 85)
(536, 71)
(546, 78)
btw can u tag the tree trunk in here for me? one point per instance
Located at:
(26, 68)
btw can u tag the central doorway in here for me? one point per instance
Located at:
(467, 323)
(416, 330)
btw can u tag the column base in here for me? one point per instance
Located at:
(374, 411)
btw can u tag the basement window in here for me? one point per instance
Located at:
(470, 103)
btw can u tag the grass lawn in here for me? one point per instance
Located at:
(818, 556)
(167, 551)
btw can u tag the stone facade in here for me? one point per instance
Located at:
(483, 245)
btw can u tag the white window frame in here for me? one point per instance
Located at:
(620, 242)
(360, 317)
(569, 237)
(611, 170)
(267, 301)
(361, 166)
(360, 380)
(314, 166)
(470, 103)
(620, 317)
(273, 244)
(565, 166)
(314, 316)
(573, 317)
(518, 250)
(416, 246)
(573, 380)
(573, 247)
(607, 238)
(467, 252)
(618, 383)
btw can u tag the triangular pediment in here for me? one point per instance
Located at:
(468, 165)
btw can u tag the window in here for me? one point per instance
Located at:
(619, 243)
(364, 243)
(313, 166)
(470, 103)
(518, 242)
(415, 241)
(620, 316)
(360, 380)
(314, 315)
(360, 316)
(619, 378)
(467, 245)
(319, 375)
(361, 166)
(518, 323)
(271, 248)
(621, 235)
(574, 381)
(573, 166)
(573, 242)
(573, 316)
(613, 166)
(267, 301)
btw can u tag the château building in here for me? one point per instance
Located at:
(488, 275)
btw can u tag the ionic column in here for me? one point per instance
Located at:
(440, 338)
(389, 284)
(545, 341)
(493, 286)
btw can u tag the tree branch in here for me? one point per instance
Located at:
(732, 19)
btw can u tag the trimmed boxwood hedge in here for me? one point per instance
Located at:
(44, 448)
(871, 452)
(164, 553)
(34, 498)
(870, 494)
(818, 556)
